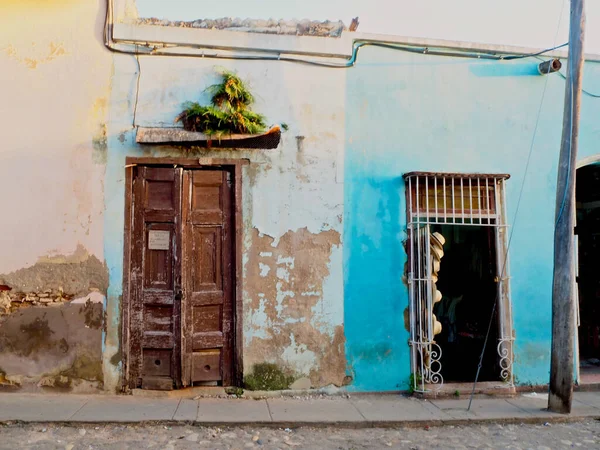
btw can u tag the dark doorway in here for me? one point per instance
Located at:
(588, 280)
(467, 282)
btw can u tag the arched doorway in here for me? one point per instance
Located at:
(587, 232)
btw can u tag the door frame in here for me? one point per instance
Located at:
(186, 163)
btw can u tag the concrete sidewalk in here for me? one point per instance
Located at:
(356, 411)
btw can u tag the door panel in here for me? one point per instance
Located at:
(156, 277)
(206, 268)
(207, 262)
(207, 318)
(158, 263)
(206, 365)
(158, 318)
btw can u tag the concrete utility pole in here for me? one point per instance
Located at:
(563, 329)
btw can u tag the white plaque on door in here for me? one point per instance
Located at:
(159, 239)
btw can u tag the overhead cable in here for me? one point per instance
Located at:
(162, 49)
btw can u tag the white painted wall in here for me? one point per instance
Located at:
(54, 87)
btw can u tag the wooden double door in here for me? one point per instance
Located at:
(182, 278)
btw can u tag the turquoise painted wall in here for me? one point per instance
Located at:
(408, 112)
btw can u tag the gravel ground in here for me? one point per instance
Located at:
(584, 435)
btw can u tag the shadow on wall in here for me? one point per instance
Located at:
(509, 70)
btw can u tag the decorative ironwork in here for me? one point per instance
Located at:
(426, 354)
(505, 352)
(452, 199)
(434, 366)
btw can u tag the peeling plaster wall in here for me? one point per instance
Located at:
(54, 86)
(322, 260)
(51, 321)
(285, 288)
(292, 201)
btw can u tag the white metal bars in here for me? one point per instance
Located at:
(452, 199)
(425, 353)
(455, 199)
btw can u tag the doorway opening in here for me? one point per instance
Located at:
(467, 283)
(457, 275)
(587, 231)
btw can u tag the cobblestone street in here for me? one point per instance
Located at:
(584, 435)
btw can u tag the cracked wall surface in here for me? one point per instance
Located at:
(51, 319)
(285, 319)
(59, 346)
(285, 27)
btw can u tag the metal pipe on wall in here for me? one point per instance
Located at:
(550, 66)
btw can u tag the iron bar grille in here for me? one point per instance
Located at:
(451, 199)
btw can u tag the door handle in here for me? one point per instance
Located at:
(179, 295)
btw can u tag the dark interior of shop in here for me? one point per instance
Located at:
(466, 281)
(588, 280)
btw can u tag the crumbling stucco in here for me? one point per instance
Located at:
(99, 139)
(283, 298)
(74, 275)
(303, 27)
(112, 317)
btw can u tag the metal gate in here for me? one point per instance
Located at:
(451, 199)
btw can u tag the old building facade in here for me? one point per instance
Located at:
(129, 264)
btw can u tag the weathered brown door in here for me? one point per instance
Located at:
(181, 313)
(207, 273)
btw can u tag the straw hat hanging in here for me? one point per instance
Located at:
(436, 244)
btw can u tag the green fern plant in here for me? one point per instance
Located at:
(228, 113)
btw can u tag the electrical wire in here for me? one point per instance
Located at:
(510, 58)
(564, 77)
(137, 89)
(351, 62)
(109, 40)
(357, 45)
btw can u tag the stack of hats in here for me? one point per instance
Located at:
(436, 244)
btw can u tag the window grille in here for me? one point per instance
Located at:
(451, 199)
